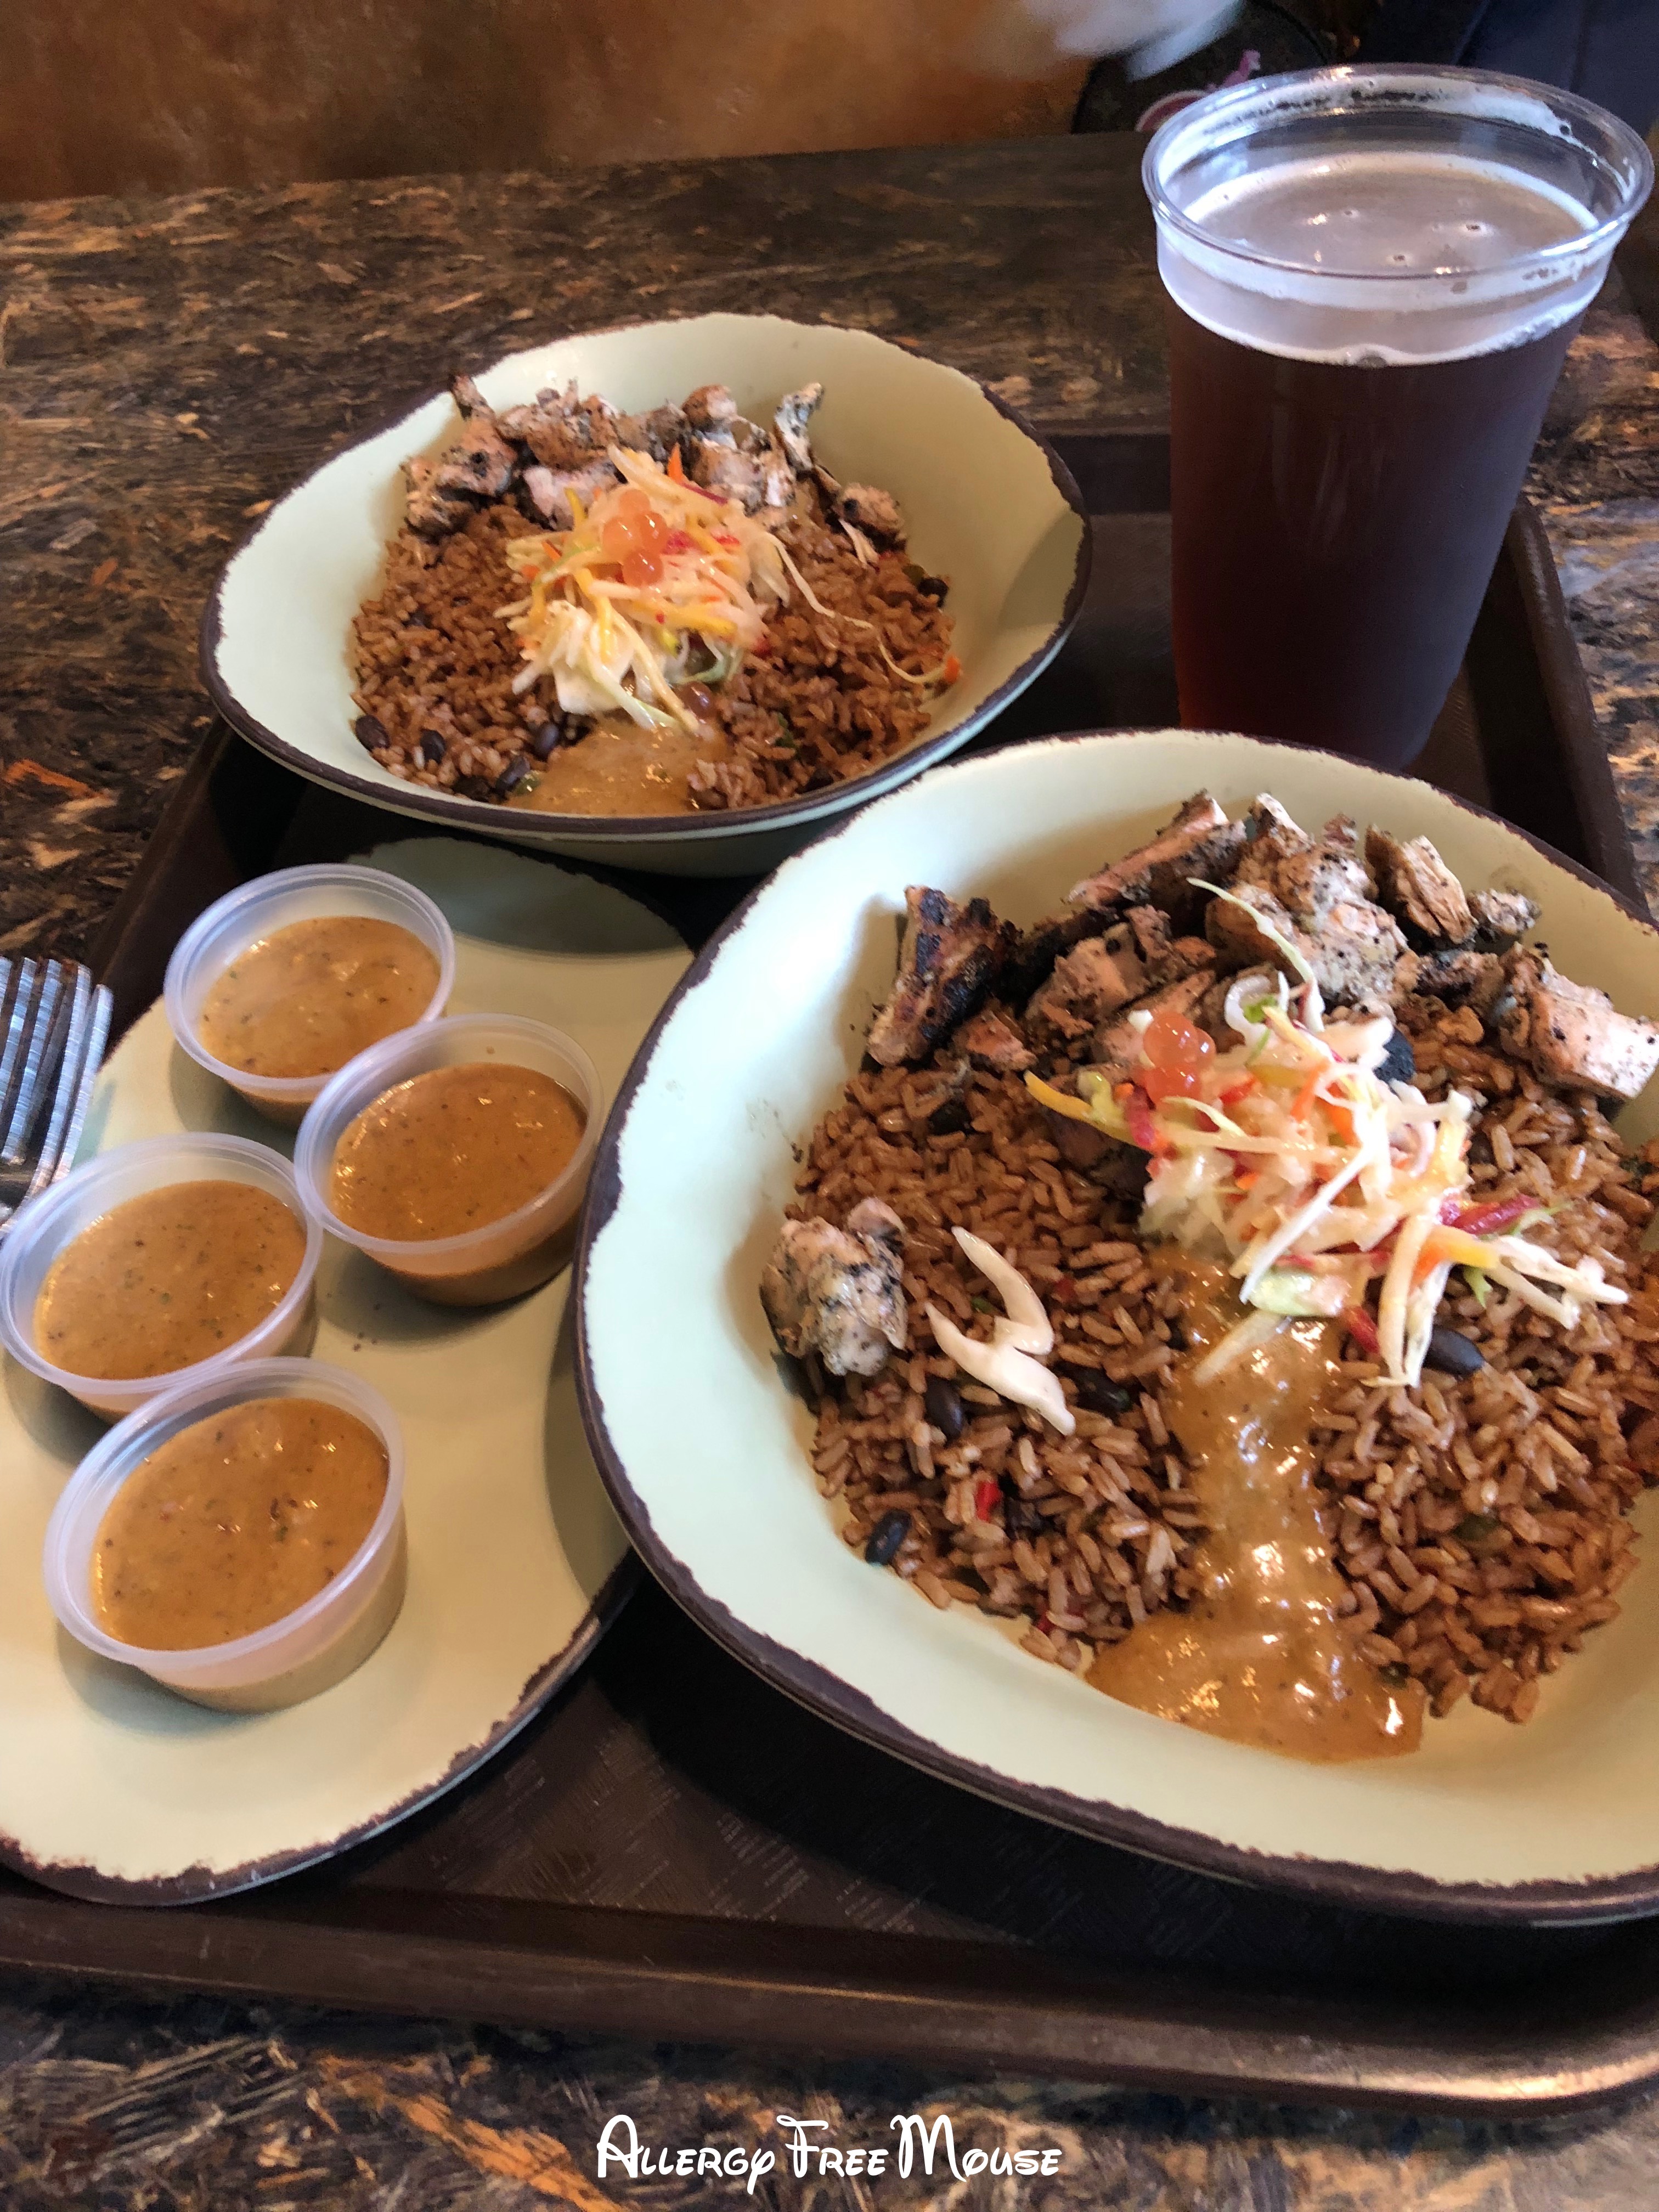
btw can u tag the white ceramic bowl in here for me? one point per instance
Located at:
(271, 902)
(988, 505)
(43, 1229)
(704, 1448)
(307, 1650)
(503, 1258)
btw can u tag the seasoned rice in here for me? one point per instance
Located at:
(1479, 1520)
(432, 653)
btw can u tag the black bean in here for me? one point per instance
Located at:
(944, 1407)
(1177, 1336)
(1021, 1519)
(432, 747)
(1477, 1528)
(1098, 1394)
(473, 786)
(946, 1120)
(511, 776)
(1453, 1353)
(889, 1533)
(370, 733)
(547, 739)
(1399, 1062)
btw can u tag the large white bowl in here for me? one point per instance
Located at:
(989, 505)
(704, 1449)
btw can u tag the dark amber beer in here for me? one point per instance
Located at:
(1372, 279)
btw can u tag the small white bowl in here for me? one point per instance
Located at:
(503, 1258)
(42, 1230)
(307, 1650)
(271, 902)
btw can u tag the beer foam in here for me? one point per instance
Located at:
(1385, 255)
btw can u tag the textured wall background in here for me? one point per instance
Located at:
(167, 96)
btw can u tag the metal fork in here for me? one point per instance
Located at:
(54, 1024)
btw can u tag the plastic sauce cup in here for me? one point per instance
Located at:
(42, 1230)
(504, 1258)
(225, 932)
(309, 1650)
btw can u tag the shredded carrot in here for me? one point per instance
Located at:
(676, 467)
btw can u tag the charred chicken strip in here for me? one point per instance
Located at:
(949, 958)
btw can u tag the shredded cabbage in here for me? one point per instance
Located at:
(1289, 1158)
(617, 634)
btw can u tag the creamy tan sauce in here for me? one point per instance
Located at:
(453, 1150)
(1261, 1655)
(307, 998)
(625, 770)
(168, 1279)
(235, 1522)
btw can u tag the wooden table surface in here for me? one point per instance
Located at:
(166, 367)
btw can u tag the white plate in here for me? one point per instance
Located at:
(109, 1786)
(705, 1450)
(989, 505)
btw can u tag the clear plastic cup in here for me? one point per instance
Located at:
(1372, 276)
(41, 1229)
(271, 902)
(504, 1258)
(307, 1650)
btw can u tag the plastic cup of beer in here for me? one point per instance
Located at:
(1372, 278)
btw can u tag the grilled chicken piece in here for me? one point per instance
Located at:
(1165, 957)
(1096, 978)
(547, 491)
(994, 1042)
(839, 1292)
(1419, 890)
(1316, 894)
(1462, 978)
(442, 493)
(1571, 1034)
(875, 512)
(1200, 842)
(762, 480)
(433, 508)
(1354, 949)
(656, 433)
(1036, 949)
(1102, 975)
(794, 411)
(1116, 1046)
(561, 429)
(710, 407)
(1502, 918)
(949, 958)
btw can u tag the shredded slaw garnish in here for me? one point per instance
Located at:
(1290, 1158)
(655, 573)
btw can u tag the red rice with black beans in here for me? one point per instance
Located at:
(1479, 1520)
(431, 653)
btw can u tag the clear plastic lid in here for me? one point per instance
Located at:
(41, 1229)
(271, 902)
(300, 1638)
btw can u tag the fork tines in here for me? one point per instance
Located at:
(54, 1024)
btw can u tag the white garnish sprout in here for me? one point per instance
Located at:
(1010, 1363)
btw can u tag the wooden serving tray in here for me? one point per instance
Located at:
(672, 1850)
